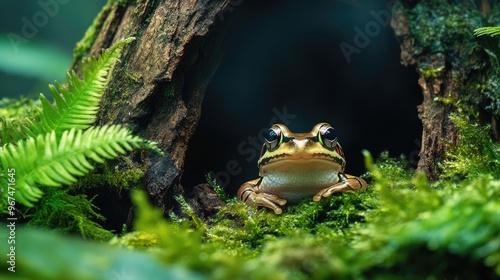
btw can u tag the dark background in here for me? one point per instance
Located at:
(47, 53)
(287, 54)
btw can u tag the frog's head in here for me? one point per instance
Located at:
(319, 146)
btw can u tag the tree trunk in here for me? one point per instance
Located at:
(158, 86)
(437, 38)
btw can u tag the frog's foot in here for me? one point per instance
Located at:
(346, 183)
(266, 200)
(249, 194)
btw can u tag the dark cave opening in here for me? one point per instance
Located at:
(299, 64)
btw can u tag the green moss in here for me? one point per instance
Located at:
(13, 109)
(431, 72)
(12, 113)
(218, 189)
(456, 226)
(136, 240)
(439, 26)
(440, 29)
(67, 213)
(90, 35)
(476, 154)
(123, 178)
(399, 227)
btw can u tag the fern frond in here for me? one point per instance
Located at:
(77, 105)
(52, 161)
(489, 30)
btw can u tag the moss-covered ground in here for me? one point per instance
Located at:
(401, 227)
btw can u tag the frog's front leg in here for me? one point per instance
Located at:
(346, 183)
(250, 193)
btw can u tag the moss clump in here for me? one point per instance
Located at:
(431, 72)
(446, 223)
(67, 213)
(136, 240)
(13, 109)
(469, 159)
(123, 178)
(90, 35)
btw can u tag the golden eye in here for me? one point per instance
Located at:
(273, 138)
(327, 137)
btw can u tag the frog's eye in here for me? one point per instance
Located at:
(273, 138)
(327, 137)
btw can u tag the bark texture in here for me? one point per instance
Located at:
(436, 37)
(158, 86)
(437, 128)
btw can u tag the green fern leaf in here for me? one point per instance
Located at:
(77, 105)
(52, 161)
(490, 30)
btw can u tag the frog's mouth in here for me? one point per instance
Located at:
(325, 159)
(301, 165)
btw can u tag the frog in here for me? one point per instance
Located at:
(294, 166)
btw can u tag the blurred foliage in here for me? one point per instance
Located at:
(489, 30)
(12, 109)
(33, 60)
(34, 52)
(48, 255)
